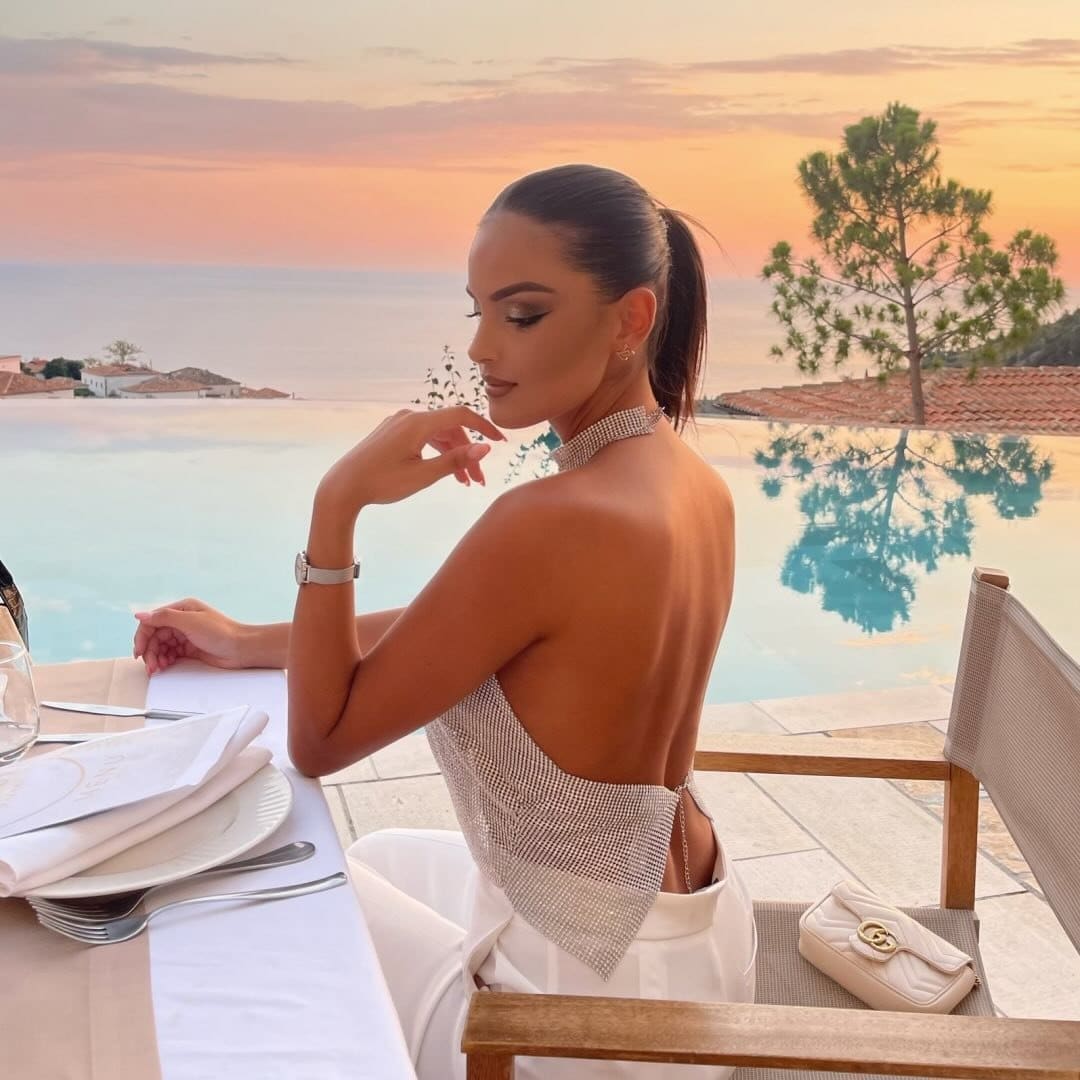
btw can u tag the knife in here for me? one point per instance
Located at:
(73, 736)
(117, 710)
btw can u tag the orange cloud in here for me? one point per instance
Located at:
(109, 153)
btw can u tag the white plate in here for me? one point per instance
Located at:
(225, 829)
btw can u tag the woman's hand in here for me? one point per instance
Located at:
(189, 629)
(388, 467)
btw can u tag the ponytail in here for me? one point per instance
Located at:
(678, 358)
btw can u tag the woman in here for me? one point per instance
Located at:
(559, 658)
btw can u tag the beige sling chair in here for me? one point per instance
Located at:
(1015, 726)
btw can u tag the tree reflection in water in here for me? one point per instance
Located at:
(880, 505)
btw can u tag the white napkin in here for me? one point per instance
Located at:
(71, 809)
(102, 774)
(34, 859)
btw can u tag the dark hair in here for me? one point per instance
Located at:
(617, 232)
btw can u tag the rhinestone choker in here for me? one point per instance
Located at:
(608, 429)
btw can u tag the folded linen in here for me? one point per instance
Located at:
(65, 811)
(87, 778)
(29, 861)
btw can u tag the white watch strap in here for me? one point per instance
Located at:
(332, 577)
(306, 574)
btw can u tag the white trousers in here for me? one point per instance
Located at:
(436, 921)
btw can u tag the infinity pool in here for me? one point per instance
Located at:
(854, 546)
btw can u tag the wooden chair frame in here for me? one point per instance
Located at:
(501, 1026)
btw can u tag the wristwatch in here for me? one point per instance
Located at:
(306, 574)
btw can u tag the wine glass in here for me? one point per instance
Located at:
(18, 702)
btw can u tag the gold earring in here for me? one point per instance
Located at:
(625, 354)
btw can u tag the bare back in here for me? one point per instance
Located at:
(616, 693)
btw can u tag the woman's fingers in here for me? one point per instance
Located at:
(160, 647)
(449, 438)
(470, 418)
(155, 655)
(475, 473)
(445, 440)
(142, 638)
(147, 619)
(145, 645)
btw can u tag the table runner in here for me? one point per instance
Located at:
(68, 1010)
(288, 991)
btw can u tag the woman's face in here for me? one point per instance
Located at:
(553, 339)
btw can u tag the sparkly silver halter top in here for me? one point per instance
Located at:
(580, 860)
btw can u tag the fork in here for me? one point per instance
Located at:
(114, 930)
(116, 906)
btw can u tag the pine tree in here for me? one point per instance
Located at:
(907, 273)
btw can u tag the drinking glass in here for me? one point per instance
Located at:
(18, 702)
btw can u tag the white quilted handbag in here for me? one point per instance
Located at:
(881, 955)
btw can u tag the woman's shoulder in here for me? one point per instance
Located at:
(583, 511)
(559, 500)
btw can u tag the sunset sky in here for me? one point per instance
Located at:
(348, 133)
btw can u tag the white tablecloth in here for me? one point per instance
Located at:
(285, 989)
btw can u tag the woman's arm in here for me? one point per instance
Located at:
(496, 594)
(194, 630)
(505, 585)
(267, 646)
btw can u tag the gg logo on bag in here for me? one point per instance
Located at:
(877, 936)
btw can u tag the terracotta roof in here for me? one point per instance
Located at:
(162, 384)
(13, 383)
(119, 369)
(35, 365)
(265, 392)
(202, 376)
(1031, 399)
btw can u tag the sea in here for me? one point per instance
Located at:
(321, 335)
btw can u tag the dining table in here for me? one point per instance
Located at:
(225, 991)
